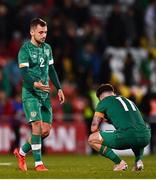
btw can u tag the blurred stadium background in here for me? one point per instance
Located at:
(93, 42)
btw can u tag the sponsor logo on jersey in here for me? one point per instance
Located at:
(33, 114)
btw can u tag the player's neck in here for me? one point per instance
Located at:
(106, 94)
(35, 42)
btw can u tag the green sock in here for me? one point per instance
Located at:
(138, 154)
(108, 153)
(36, 148)
(26, 147)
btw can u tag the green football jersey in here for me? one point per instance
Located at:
(121, 112)
(37, 59)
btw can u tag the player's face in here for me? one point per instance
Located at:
(39, 33)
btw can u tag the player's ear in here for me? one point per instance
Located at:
(31, 31)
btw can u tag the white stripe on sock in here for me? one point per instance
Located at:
(36, 146)
(22, 152)
(37, 163)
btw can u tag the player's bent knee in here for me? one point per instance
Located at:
(95, 138)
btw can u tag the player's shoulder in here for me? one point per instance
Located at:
(109, 100)
(25, 45)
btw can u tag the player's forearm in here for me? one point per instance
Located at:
(53, 77)
(94, 128)
(95, 124)
(27, 78)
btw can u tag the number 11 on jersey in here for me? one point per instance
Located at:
(124, 104)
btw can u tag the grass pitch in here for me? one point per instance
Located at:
(72, 166)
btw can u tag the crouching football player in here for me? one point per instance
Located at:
(131, 131)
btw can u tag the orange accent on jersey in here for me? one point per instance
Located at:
(23, 65)
(99, 114)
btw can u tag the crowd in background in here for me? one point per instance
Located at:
(93, 42)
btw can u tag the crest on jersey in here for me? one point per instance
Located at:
(47, 52)
(33, 114)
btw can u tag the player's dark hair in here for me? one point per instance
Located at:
(104, 88)
(37, 21)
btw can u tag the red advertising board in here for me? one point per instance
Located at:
(64, 137)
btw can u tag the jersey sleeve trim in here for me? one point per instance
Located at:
(99, 114)
(51, 61)
(21, 65)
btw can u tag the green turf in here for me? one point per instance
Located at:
(76, 167)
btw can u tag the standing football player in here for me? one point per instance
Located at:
(131, 131)
(36, 65)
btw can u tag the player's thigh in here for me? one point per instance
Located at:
(140, 141)
(109, 139)
(128, 139)
(46, 112)
(117, 140)
(32, 109)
